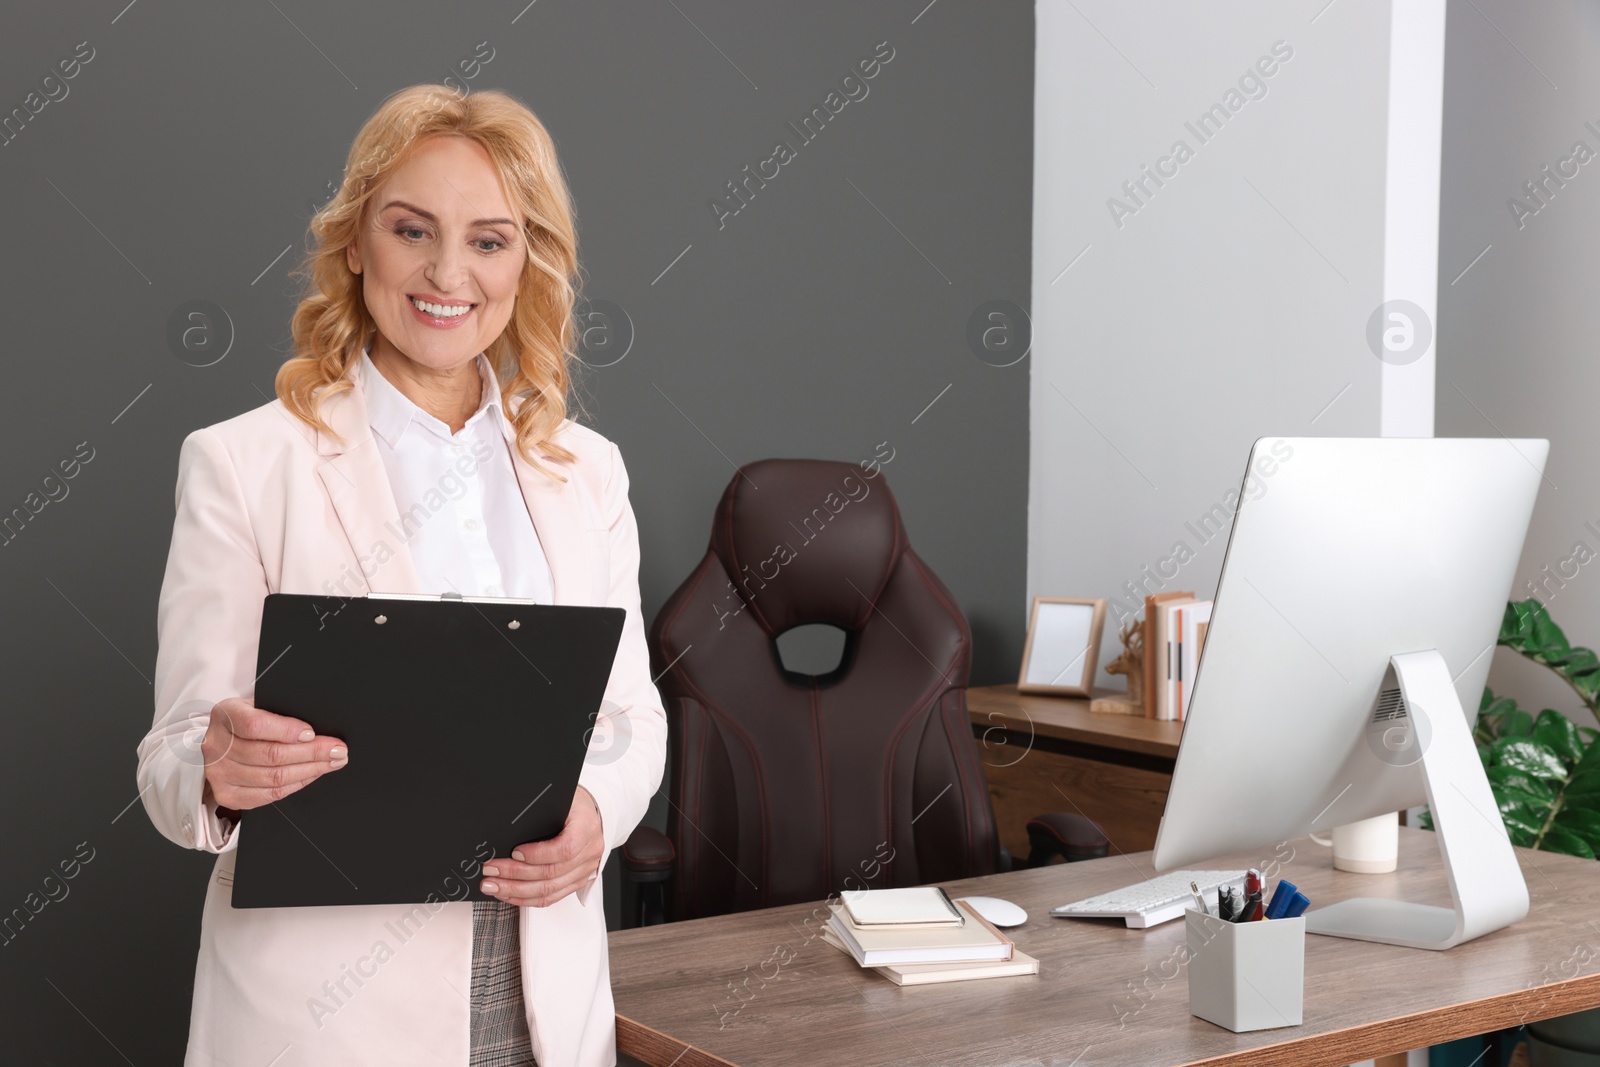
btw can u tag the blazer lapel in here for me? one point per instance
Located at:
(358, 485)
(553, 507)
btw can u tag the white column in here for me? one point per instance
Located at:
(1411, 219)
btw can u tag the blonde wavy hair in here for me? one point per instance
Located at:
(532, 356)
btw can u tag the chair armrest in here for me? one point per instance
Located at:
(647, 855)
(1067, 835)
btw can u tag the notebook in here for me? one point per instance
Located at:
(923, 905)
(931, 973)
(975, 940)
(1020, 963)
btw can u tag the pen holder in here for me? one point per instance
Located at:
(1246, 976)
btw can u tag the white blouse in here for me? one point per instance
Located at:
(461, 509)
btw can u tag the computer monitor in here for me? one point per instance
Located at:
(1357, 612)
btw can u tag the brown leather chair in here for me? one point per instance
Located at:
(788, 787)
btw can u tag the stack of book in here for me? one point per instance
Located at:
(1174, 633)
(919, 936)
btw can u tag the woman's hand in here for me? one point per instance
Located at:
(254, 757)
(542, 872)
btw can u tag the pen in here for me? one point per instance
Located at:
(1194, 887)
(1297, 906)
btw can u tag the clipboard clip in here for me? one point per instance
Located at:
(451, 595)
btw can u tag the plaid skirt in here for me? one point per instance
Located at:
(499, 1019)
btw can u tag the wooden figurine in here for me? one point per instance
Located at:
(1130, 663)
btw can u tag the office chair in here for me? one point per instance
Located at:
(787, 787)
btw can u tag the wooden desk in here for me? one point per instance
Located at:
(1045, 753)
(1105, 996)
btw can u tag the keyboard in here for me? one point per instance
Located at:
(1145, 904)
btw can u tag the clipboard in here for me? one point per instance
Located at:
(468, 721)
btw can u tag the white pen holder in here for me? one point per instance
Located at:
(1249, 975)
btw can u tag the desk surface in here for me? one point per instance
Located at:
(1105, 995)
(1069, 719)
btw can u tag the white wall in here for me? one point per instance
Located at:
(1231, 303)
(1518, 350)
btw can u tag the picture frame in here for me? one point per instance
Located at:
(1062, 653)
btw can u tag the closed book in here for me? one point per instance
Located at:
(932, 973)
(1193, 621)
(1165, 651)
(922, 905)
(1151, 655)
(881, 947)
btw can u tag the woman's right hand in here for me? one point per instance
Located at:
(254, 757)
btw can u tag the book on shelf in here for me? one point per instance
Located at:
(876, 946)
(1164, 652)
(1193, 621)
(1151, 656)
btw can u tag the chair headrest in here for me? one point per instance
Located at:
(808, 541)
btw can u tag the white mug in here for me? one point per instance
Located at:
(1371, 846)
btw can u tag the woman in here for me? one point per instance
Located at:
(419, 443)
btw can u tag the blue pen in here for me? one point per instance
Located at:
(1280, 898)
(1297, 906)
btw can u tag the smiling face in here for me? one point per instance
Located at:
(439, 256)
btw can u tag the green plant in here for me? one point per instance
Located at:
(1544, 770)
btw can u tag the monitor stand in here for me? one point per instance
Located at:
(1486, 884)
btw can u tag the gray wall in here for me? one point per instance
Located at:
(187, 154)
(1517, 348)
(1231, 304)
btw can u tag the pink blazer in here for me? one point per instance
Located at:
(266, 505)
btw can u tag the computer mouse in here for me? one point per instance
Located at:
(1000, 912)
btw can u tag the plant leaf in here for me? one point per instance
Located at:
(1520, 828)
(1516, 625)
(1492, 713)
(1583, 791)
(1504, 778)
(1558, 840)
(1549, 764)
(1585, 822)
(1546, 638)
(1558, 733)
(1577, 661)
(1530, 757)
(1532, 807)
(1493, 705)
(1587, 683)
(1589, 764)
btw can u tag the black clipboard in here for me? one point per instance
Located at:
(468, 721)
